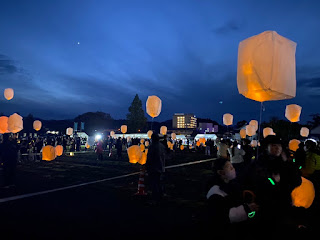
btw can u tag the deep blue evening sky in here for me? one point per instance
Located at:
(67, 57)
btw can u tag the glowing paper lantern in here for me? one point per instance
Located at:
(243, 133)
(169, 144)
(124, 129)
(141, 140)
(8, 93)
(202, 140)
(250, 130)
(59, 150)
(173, 136)
(146, 143)
(293, 112)
(112, 133)
(294, 144)
(266, 67)
(134, 153)
(304, 132)
(142, 147)
(181, 147)
(254, 123)
(153, 105)
(149, 133)
(227, 119)
(303, 195)
(15, 123)
(163, 130)
(3, 124)
(268, 131)
(143, 158)
(69, 131)
(198, 143)
(87, 145)
(37, 125)
(48, 153)
(254, 143)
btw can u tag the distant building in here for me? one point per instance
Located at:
(181, 120)
(207, 127)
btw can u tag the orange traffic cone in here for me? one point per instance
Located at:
(141, 185)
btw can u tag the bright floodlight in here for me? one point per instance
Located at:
(98, 137)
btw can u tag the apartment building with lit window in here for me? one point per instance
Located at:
(181, 120)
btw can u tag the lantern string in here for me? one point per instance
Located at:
(259, 127)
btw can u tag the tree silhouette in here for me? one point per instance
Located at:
(136, 117)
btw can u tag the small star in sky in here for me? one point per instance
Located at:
(78, 43)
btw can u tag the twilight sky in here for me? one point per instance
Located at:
(66, 57)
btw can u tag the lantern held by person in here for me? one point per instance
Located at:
(227, 119)
(243, 133)
(8, 93)
(293, 112)
(153, 106)
(143, 158)
(267, 67)
(304, 132)
(181, 147)
(163, 130)
(173, 136)
(15, 123)
(303, 195)
(250, 130)
(254, 123)
(48, 153)
(134, 153)
(268, 131)
(150, 132)
(124, 129)
(69, 131)
(37, 125)
(294, 144)
(59, 150)
(112, 133)
(3, 124)
(142, 147)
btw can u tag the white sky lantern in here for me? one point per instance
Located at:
(268, 131)
(267, 67)
(4, 124)
(141, 140)
(146, 143)
(304, 132)
(69, 131)
(163, 130)
(294, 144)
(153, 106)
(227, 119)
(124, 129)
(254, 143)
(293, 112)
(37, 125)
(250, 130)
(254, 123)
(243, 133)
(8, 93)
(15, 123)
(112, 133)
(150, 132)
(173, 136)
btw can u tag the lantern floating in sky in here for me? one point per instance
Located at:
(268, 131)
(48, 153)
(250, 130)
(267, 67)
(15, 123)
(254, 123)
(153, 106)
(227, 119)
(59, 150)
(293, 112)
(304, 132)
(243, 133)
(163, 130)
(37, 125)
(8, 93)
(149, 133)
(3, 124)
(134, 153)
(69, 131)
(124, 129)
(294, 144)
(303, 195)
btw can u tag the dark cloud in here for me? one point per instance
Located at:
(228, 27)
(7, 66)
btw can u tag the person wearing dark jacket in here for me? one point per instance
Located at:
(9, 157)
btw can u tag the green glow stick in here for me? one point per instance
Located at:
(251, 214)
(272, 182)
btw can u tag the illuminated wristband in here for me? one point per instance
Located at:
(251, 214)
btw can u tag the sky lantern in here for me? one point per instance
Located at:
(304, 132)
(227, 119)
(254, 143)
(243, 133)
(124, 129)
(69, 131)
(149, 133)
(37, 125)
(153, 106)
(202, 140)
(181, 147)
(146, 143)
(293, 112)
(303, 195)
(268, 131)
(142, 147)
(59, 150)
(87, 145)
(8, 93)
(3, 124)
(143, 158)
(198, 143)
(163, 130)
(294, 144)
(254, 123)
(15, 123)
(250, 130)
(141, 140)
(134, 153)
(48, 153)
(173, 136)
(267, 67)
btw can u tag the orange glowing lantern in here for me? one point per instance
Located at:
(37, 125)
(143, 158)
(3, 124)
(48, 153)
(15, 123)
(202, 140)
(254, 143)
(134, 153)
(294, 144)
(304, 132)
(181, 147)
(87, 145)
(153, 106)
(173, 136)
(69, 131)
(254, 123)
(142, 147)
(8, 93)
(293, 112)
(112, 133)
(149, 133)
(268, 131)
(250, 130)
(227, 119)
(124, 129)
(59, 150)
(146, 143)
(198, 143)
(303, 195)
(266, 67)
(243, 133)
(163, 130)
(141, 140)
